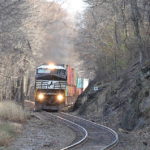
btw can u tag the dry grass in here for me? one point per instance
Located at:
(7, 132)
(11, 111)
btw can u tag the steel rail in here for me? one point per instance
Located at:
(111, 145)
(82, 128)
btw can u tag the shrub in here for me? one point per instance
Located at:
(11, 111)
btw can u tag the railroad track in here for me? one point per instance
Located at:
(89, 135)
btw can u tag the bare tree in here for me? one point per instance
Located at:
(113, 35)
(28, 29)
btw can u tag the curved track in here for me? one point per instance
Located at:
(89, 135)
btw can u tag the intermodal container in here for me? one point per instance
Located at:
(75, 85)
(80, 83)
(75, 78)
(85, 83)
(68, 75)
(79, 91)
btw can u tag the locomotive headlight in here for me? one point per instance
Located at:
(51, 66)
(60, 98)
(40, 96)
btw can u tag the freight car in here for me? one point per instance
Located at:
(56, 86)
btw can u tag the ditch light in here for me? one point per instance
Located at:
(40, 97)
(60, 98)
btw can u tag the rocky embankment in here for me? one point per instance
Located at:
(123, 104)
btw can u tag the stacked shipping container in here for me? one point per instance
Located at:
(75, 85)
(71, 85)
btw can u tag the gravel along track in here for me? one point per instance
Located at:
(89, 135)
(80, 133)
(42, 133)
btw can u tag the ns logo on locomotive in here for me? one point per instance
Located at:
(56, 86)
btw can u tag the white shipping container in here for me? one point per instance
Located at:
(85, 83)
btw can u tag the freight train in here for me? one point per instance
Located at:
(57, 86)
